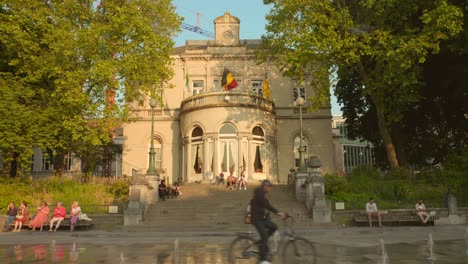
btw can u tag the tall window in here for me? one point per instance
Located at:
(197, 86)
(229, 149)
(257, 86)
(297, 143)
(259, 148)
(46, 162)
(158, 153)
(197, 150)
(67, 161)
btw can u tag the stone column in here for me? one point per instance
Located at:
(249, 161)
(216, 156)
(189, 164)
(239, 155)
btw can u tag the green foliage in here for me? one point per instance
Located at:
(120, 190)
(69, 70)
(53, 190)
(381, 43)
(364, 179)
(396, 189)
(454, 176)
(334, 184)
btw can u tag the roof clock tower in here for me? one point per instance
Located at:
(227, 29)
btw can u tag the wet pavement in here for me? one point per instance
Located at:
(332, 245)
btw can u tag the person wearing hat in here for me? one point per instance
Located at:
(260, 209)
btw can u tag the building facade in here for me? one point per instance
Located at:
(201, 130)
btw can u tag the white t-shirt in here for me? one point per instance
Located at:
(420, 207)
(76, 210)
(371, 208)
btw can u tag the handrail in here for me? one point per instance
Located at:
(245, 99)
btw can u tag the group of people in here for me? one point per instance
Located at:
(165, 191)
(232, 181)
(20, 215)
(372, 211)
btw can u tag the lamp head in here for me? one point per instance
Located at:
(300, 101)
(153, 103)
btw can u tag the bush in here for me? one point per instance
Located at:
(364, 179)
(120, 190)
(334, 184)
(53, 190)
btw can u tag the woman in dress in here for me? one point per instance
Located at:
(24, 213)
(41, 217)
(75, 215)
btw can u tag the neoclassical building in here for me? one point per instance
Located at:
(201, 130)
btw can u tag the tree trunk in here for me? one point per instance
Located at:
(384, 130)
(59, 164)
(14, 165)
(399, 142)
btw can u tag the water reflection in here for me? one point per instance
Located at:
(452, 252)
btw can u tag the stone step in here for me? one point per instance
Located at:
(211, 207)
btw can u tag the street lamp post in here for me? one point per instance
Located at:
(302, 165)
(152, 154)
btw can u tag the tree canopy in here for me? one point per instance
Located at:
(69, 69)
(379, 45)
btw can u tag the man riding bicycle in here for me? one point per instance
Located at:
(260, 209)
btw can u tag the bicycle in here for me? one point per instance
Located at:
(293, 249)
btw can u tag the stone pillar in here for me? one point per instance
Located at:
(452, 204)
(315, 197)
(133, 214)
(153, 182)
(300, 179)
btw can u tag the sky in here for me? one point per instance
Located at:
(250, 12)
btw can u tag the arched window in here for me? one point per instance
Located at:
(197, 150)
(157, 152)
(259, 147)
(229, 148)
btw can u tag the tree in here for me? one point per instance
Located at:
(71, 69)
(435, 125)
(382, 42)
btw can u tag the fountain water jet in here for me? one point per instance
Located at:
(466, 241)
(122, 258)
(383, 257)
(430, 247)
(176, 251)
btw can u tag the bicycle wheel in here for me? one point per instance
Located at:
(243, 250)
(299, 250)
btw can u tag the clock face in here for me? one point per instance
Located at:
(228, 35)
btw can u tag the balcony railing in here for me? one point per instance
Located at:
(224, 99)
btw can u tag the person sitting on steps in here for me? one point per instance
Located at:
(242, 181)
(162, 190)
(219, 179)
(231, 182)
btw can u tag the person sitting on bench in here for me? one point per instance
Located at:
(421, 212)
(371, 209)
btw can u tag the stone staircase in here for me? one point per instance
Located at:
(204, 207)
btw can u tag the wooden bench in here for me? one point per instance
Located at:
(65, 224)
(394, 218)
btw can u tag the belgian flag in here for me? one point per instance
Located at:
(228, 82)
